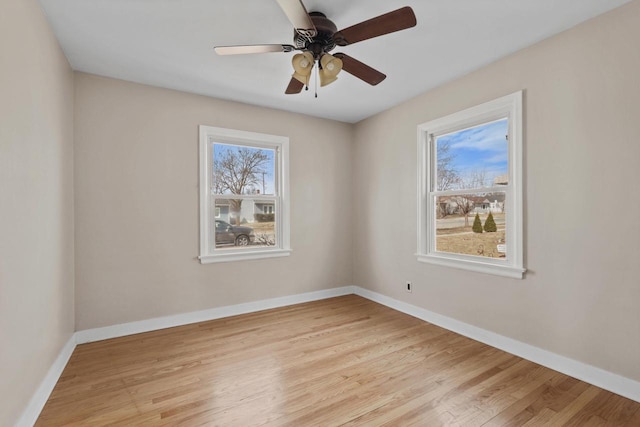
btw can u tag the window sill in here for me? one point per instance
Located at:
(243, 256)
(480, 267)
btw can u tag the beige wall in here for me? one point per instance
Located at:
(582, 205)
(136, 204)
(36, 203)
(353, 201)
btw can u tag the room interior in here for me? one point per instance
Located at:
(99, 189)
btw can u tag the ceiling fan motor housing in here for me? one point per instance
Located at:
(316, 35)
(323, 41)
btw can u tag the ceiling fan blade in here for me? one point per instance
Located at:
(299, 17)
(295, 86)
(391, 22)
(255, 48)
(360, 70)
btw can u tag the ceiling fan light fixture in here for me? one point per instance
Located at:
(315, 35)
(302, 66)
(330, 66)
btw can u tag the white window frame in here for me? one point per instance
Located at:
(217, 212)
(280, 144)
(510, 107)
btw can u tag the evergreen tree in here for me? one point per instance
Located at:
(490, 224)
(477, 224)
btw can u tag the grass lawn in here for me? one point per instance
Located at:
(263, 227)
(462, 240)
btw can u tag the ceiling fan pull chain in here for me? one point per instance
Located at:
(317, 72)
(306, 87)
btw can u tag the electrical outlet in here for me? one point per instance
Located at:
(408, 286)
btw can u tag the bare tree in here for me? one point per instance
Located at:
(447, 177)
(218, 186)
(465, 206)
(237, 170)
(442, 210)
(475, 179)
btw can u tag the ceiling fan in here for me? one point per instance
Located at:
(315, 36)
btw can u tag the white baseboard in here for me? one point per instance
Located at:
(98, 334)
(582, 371)
(39, 398)
(590, 374)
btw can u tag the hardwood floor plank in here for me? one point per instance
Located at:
(606, 407)
(547, 398)
(634, 419)
(542, 418)
(449, 383)
(340, 361)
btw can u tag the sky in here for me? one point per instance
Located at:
(268, 166)
(479, 148)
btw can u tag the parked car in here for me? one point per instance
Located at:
(233, 234)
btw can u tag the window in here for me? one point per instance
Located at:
(470, 189)
(239, 173)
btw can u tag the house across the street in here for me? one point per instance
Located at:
(248, 210)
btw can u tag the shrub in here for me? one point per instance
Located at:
(477, 224)
(265, 239)
(264, 217)
(490, 224)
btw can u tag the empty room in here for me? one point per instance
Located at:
(319, 213)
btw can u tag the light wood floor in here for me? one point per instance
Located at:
(342, 361)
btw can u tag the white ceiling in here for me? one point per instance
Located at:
(168, 43)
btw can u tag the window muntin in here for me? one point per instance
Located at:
(248, 171)
(241, 174)
(470, 163)
(470, 159)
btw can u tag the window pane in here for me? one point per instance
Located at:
(455, 230)
(243, 170)
(473, 158)
(244, 223)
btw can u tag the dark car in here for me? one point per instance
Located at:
(233, 234)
